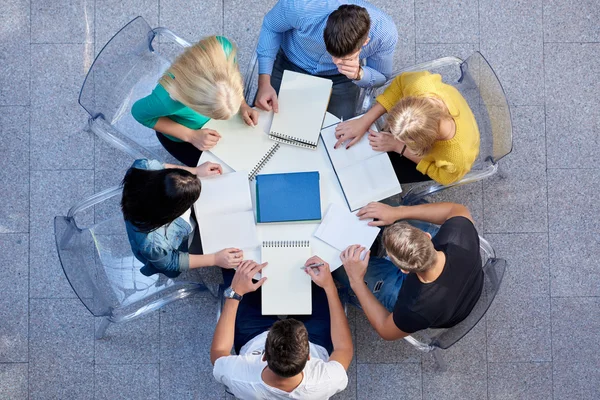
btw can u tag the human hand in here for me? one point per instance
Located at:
(205, 139)
(383, 141)
(384, 214)
(208, 169)
(229, 258)
(321, 276)
(249, 115)
(349, 66)
(352, 131)
(354, 266)
(242, 280)
(266, 97)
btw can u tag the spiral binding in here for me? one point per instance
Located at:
(294, 141)
(263, 161)
(286, 243)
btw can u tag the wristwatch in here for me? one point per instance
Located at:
(229, 293)
(361, 73)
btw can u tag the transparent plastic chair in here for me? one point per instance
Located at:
(103, 272)
(128, 68)
(477, 82)
(432, 340)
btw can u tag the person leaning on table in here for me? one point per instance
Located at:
(432, 132)
(157, 206)
(301, 357)
(326, 39)
(204, 82)
(424, 282)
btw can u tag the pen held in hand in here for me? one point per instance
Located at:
(312, 266)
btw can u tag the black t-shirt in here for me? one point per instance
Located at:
(451, 297)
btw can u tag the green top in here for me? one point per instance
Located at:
(159, 103)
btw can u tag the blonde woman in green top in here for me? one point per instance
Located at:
(203, 83)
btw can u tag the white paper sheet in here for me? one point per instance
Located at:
(340, 228)
(287, 290)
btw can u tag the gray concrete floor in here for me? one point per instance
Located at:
(538, 341)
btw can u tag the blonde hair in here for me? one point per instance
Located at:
(416, 122)
(409, 248)
(206, 79)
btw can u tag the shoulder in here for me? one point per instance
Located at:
(144, 163)
(326, 374)
(421, 82)
(459, 232)
(460, 224)
(237, 368)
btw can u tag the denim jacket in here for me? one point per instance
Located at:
(163, 250)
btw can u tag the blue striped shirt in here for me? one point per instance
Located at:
(296, 26)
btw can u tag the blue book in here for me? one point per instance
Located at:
(288, 197)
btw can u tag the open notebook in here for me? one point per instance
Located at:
(303, 101)
(340, 228)
(364, 174)
(287, 290)
(228, 223)
(244, 147)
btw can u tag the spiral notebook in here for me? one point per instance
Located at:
(244, 147)
(303, 101)
(287, 290)
(364, 174)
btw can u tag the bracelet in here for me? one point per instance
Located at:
(403, 150)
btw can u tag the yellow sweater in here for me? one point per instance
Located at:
(449, 160)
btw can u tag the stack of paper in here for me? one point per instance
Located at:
(364, 174)
(303, 101)
(340, 228)
(244, 147)
(228, 223)
(287, 290)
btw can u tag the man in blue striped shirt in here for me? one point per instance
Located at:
(330, 39)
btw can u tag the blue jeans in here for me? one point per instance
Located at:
(249, 321)
(383, 278)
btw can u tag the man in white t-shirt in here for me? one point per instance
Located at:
(304, 357)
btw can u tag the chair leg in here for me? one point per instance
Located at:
(440, 363)
(101, 331)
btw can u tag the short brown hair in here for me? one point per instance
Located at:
(416, 122)
(346, 30)
(286, 348)
(409, 248)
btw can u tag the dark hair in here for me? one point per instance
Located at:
(286, 348)
(153, 198)
(346, 30)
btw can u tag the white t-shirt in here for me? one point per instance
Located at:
(242, 374)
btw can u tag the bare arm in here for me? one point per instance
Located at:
(340, 331)
(379, 317)
(435, 213)
(225, 330)
(172, 128)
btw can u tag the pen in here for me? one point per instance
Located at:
(312, 266)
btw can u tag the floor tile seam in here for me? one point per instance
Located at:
(13, 362)
(42, 43)
(571, 168)
(520, 362)
(575, 297)
(574, 42)
(446, 43)
(29, 219)
(15, 105)
(125, 363)
(60, 169)
(512, 232)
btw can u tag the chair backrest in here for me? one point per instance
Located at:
(102, 270)
(493, 272)
(127, 69)
(477, 82)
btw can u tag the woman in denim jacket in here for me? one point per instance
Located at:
(156, 205)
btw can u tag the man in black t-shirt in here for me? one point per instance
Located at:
(426, 283)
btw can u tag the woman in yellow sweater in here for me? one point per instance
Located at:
(432, 132)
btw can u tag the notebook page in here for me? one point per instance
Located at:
(371, 180)
(340, 228)
(303, 100)
(241, 146)
(228, 230)
(233, 186)
(287, 290)
(342, 157)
